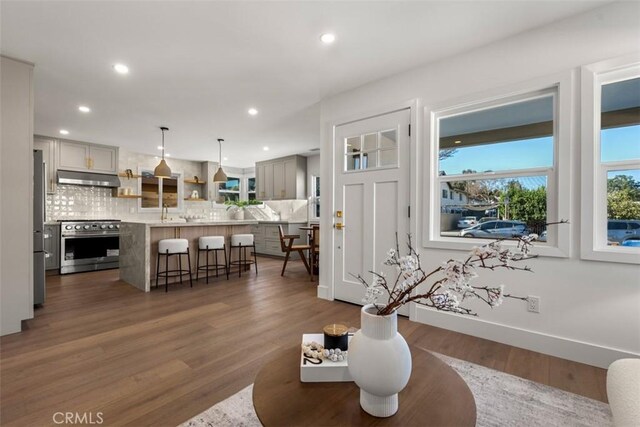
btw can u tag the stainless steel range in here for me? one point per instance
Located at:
(89, 245)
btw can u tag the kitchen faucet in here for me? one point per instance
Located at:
(165, 212)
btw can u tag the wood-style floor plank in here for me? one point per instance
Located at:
(99, 345)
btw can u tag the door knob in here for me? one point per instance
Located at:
(339, 226)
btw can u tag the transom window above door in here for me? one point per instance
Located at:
(378, 150)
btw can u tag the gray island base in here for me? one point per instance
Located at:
(139, 246)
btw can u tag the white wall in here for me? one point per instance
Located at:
(16, 194)
(590, 311)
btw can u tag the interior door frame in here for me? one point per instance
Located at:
(326, 285)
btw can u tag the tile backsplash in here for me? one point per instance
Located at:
(78, 202)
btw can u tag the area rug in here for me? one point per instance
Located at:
(501, 400)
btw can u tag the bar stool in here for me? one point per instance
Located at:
(168, 248)
(242, 242)
(213, 244)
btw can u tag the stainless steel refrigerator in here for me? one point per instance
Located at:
(38, 228)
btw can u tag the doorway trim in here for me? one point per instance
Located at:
(326, 285)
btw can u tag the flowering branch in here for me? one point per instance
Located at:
(452, 280)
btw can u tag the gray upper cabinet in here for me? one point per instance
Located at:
(282, 179)
(83, 157)
(49, 147)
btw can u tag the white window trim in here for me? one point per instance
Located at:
(558, 177)
(594, 172)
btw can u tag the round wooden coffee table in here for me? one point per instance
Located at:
(435, 396)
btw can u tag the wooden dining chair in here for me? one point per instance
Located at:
(315, 251)
(286, 243)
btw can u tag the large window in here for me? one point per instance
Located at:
(230, 190)
(500, 157)
(498, 166)
(611, 197)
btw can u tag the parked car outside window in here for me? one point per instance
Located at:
(503, 229)
(487, 218)
(467, 221)
(620, 230)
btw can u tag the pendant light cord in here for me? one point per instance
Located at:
(162, 144)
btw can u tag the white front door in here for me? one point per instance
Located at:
(372, 194)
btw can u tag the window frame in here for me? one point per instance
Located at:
(180, 179)
(560, 86)
(360, 155)
(594, 171)
(223, 193)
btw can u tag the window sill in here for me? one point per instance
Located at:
(620, 254)
(541, 249)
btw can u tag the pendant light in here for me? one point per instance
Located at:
(162, 170)
(220, 176)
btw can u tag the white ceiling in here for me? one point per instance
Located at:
(197, 66)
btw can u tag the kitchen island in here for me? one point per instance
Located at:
(139, 245)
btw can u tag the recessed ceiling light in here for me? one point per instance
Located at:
(252, 111)
(121, 69)
(328, 38)
(84, 109)
(457, 142)
(226, 158)
(265, 148)
(160, 147)
(64, 132)
(167, 155)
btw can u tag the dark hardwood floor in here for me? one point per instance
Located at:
(99, 345)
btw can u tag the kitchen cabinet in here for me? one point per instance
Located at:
(267, 237)
(83, 157)
(52, 246)
(282, 179)
(49, 147)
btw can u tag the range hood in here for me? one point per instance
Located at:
(88, 179)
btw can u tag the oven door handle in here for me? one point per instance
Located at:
(84, 236)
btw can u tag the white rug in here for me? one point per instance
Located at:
(501, 400)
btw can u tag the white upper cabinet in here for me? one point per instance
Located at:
(83, 157)
(282, 179)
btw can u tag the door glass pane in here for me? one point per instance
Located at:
(388, 139)
(352, 162)
(370, 160)
(388, 157)
(506, 137)
(170, 192)
(352, 145)
(150, 191)
(620, 121)
(370, 142)
(623, 207)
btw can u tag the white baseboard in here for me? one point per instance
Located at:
(323, 293)
(565, 348)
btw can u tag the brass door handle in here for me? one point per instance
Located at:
(339, 226)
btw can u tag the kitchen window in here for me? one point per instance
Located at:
(503, 155)
(230, 190)
(157, 193)
(251, 188)
(611, 189)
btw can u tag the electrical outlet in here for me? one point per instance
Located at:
(533, 304)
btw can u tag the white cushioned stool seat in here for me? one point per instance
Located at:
(213, 242)
(242, 239)
(174, 246)
(623, 392)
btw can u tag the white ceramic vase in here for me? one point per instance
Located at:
(239, 214)
(379, 362)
